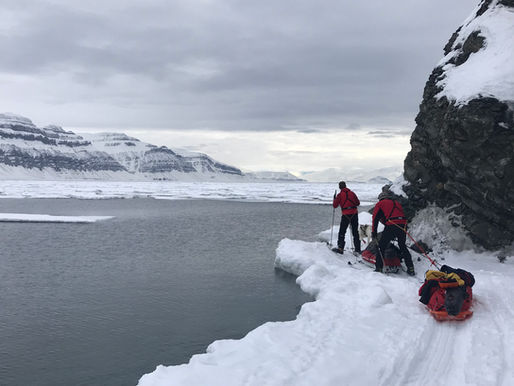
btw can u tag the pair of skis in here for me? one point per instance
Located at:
(359, 260)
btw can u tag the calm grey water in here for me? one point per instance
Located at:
(104, 303)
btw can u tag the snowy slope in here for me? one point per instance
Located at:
(488, 72)
(273, 176)
(366, 328)
(148, 159)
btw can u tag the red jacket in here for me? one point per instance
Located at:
(388, 212)
(348, 201)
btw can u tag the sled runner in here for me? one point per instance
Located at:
(443, 315)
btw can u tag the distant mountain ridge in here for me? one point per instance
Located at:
(27, 151)
(382, 175)
(274, 176)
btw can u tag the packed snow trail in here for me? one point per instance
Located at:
(472, 352)
(366, 328)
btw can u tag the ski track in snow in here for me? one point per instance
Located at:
(472, 352)
(365, 328)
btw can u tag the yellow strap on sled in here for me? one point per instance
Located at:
(442, 276)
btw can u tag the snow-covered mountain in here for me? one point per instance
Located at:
(27, 152)
(380, 180)
(353, 174)
(274, 176)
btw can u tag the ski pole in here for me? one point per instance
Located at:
(332, 226)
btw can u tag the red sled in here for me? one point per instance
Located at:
(392, 261)
(442, 316)
(448, 288)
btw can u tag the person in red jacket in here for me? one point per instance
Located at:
(348, 201)
(390, 213)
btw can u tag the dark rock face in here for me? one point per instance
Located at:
(162, 160)
(14, 156)
(473, 44)
(462, 157)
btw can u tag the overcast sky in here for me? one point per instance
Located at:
(260, 84)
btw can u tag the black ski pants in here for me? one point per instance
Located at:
(352, 219)
(390, 233)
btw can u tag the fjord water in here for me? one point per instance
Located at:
(104, 303)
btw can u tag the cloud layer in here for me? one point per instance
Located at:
(222, 65)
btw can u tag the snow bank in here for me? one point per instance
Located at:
(307, 193)
(490, 71)
(365, 328)
(325, 344)
(24, 217)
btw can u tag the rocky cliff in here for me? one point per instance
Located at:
(462, 156)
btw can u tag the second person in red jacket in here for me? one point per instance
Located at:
(348, 201)
(389, 212)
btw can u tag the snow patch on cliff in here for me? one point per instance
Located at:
(490, 71)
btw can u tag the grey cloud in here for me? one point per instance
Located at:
(353, 126)
(389, 133)
(233, 65)
(281, 153)
(309, 131)
(383, 135)
(198, 147)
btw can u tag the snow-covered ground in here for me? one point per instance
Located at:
(24, 217)
(309, 193)
(366, 328)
